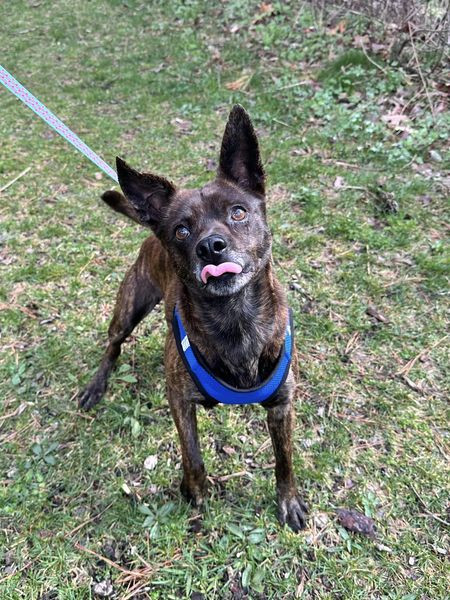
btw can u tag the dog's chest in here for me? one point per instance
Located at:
(238, 354)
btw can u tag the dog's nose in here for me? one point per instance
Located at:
(211, 248)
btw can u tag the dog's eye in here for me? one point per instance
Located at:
(182, 232)
(238, 213)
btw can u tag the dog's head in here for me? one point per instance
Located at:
(216, 236)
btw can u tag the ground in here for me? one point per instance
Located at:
(358, 178)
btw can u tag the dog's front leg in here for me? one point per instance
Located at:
(138, 295)
(193, 484)
(291, 509)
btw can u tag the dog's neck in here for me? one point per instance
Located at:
(239, 336)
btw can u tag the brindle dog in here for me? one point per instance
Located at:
(235, 315)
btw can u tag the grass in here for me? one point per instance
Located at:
(367, 437)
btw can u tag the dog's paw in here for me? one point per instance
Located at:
(194, 492)
(91, 395)
(292, 511)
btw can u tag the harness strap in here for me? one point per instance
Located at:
(213, 388)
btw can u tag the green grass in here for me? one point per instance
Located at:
(119, 73)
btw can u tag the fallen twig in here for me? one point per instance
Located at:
(134, 591)
(28, 564)
(109, 562)
(416, 58)
(352, 342)
(84, 267)
(291, 85)
(375, 64)
(144, 573)
(424, 506)
(229, 476)
(263, 446)
(340, 163)
(19, 410)
(9, 184)
(415, 387)
(10, 436)
(222, 478)
(358, 188)
(81, 525)
(13, 306)
(281, 122)
(410, 364)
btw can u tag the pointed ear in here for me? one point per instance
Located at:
(240, 161)
(120, 204)
(146, 194)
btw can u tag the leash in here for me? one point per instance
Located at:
(52, 120)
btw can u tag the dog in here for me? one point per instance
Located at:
(210, 259)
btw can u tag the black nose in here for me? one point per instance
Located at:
(211, 248)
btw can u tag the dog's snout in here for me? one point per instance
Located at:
(211, 248)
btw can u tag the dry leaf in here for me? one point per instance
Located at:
(339, 28)
(182, 125)
(265, 8)
(434, 155)
(394, 119)
(444, 87)
(126, 489)
(338, 182)
(150, 462)
(378, 48)
(441, 107)
(416, 387)
(215, 53)
(103, 589)
(238, 84)
(373, 312)
(159, 68)
(361, 40)
(354, 521)
(397, 121)
(383, 548)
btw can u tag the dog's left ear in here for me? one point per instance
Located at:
(147, 195)
(240, 161)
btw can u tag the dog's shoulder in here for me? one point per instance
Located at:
(154, 260)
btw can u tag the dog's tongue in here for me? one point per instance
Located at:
(218, 270)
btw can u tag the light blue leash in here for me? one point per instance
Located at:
(42, 111)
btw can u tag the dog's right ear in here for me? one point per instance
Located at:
(146, 196)
(240, 161)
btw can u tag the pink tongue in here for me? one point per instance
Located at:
(218, 270)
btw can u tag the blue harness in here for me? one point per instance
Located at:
(213, 388)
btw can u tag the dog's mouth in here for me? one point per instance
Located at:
(219, 270)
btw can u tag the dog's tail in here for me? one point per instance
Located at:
(120, 204)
